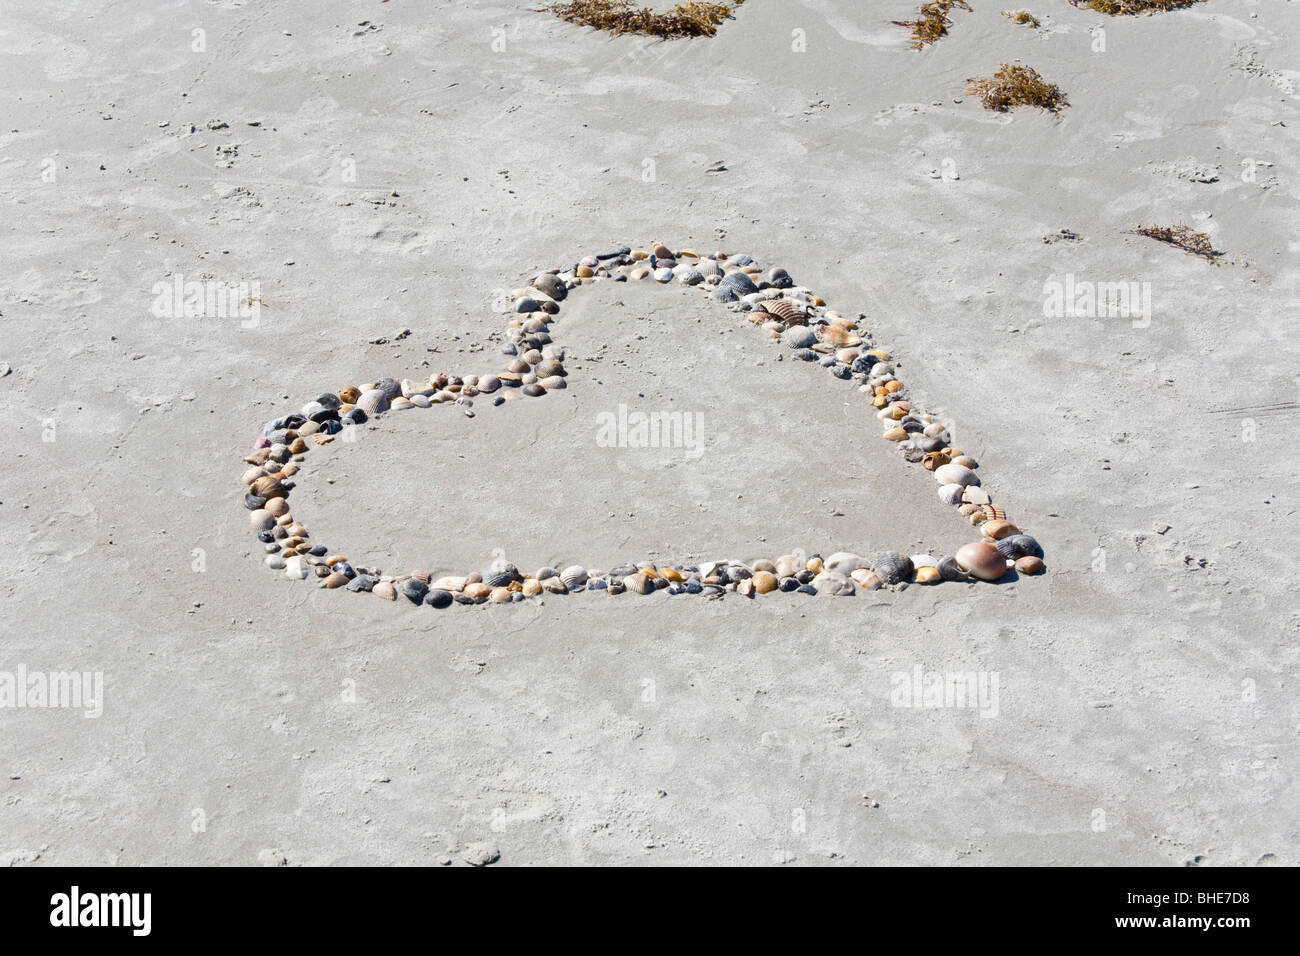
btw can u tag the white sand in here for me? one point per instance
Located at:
(1146, 702)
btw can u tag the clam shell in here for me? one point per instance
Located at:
(798, 337)
(996, 528)
(950, 494)
(574, 575)
(955, 475)
(534, 390)
(765, 582)
(981, 560)
(1030, 564)
(385, 590)
(553, 382)
(927, 575)
(867, 578)
(489, 383)
(499, 575)
(845, 562)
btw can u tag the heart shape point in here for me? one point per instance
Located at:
(792, 316)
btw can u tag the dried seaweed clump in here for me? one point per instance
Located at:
(932, 22)
(1131, 8)
(1022, 16)
(691, 19)
(1013, 86)
(1182, 237)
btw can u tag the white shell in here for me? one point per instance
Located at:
(574, 575)
(955, 475)
(296, 567)
(373, 402)
(950, 494)
(924, 561)
(843, 562)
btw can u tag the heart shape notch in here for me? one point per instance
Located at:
(791, 314)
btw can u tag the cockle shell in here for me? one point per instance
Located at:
(639, 583)
(489, 383)
(993, 512)
(574, 575)
(373, 402)
(798, 337)
(786, 310)
(268, 487)
(892, 567)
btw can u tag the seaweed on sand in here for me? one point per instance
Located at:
(690, 19)
(932, 22)
(1131, 8)
(1013, 86)
(1182, 237)
(1023, 17)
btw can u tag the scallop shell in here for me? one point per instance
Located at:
(553, 382)
(268, 487)
(499, 575)
(690, 276)
(373, 402)
(993, 513)
(533, 390)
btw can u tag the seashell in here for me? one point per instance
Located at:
(1023, 543)
(950, 494)
(798, 337)
(993, 512)
(814, 564)
(996, 528)
(975, 495)
(790, 312)
(832, 584)
(689, 275)
(968, 509)
(638, 583)
(787, 565)
(955, 475)
(765, 582)
(738, 282)
(297, 568)
(845, 562)
(927, 575)
(334, 580)
(574, 575)
(892, 567)
(553, 382)
(500, 596)
(385, 590)
(550, 285)
(672, 575)
(806, 355)
(949, 570)
(477, 590)
(839, 336)
(895, 434)
(499, 575)
(261, 520)
(1030, 564)
(555, 586)
(934, 460)
(965, 461)
(489, 384)
(349, 394)
(450, 583)
(867, 578)
(268, 487)
(373, 402)
(981, 560)
(924, 561)
(532, 587)
(533, 390)
(548, 367)
(414, 590)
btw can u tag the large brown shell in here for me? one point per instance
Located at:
(785, 310)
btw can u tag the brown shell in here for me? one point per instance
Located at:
(935, 459)
(786, 310)
(268, 487)
(993, 513)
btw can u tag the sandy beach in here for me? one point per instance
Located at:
(377, 176)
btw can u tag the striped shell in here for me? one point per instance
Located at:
(786, 310)
(738, 282)
(950, 494)
(373, 402)
(993, 513)
(639, 583)
(574, 575)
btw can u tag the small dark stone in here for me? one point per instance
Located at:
(693, 586)
(318, 550)
(789, 584)
(806, 589)
(438, 598)
(265, 536)
(329, 400)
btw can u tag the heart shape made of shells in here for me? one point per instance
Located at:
(788, 313)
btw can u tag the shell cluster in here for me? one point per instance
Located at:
(792, 316)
